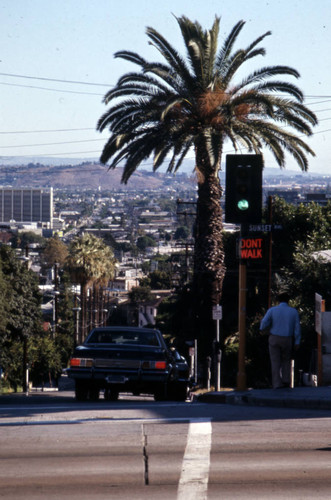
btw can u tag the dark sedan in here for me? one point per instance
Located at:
(128, 359)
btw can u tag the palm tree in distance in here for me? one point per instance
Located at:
(170, 108)
(90, 263)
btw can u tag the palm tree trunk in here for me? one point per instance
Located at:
(209, 267)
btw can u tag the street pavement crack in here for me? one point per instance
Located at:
(145, 455)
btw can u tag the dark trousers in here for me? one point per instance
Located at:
(280, 350)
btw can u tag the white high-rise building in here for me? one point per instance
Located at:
(26, 205)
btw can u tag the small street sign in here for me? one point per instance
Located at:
(217, 312)
(264, 228)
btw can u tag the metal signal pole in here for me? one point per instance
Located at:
(241, 375)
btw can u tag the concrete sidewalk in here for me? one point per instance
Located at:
(298, 397)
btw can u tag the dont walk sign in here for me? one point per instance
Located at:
(251, 248)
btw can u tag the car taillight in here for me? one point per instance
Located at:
(160, 365)
(81, 362)
(154, 365)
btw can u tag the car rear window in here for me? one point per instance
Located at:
(124, 337)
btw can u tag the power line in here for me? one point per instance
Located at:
(52, 90)
(42, 131)
(317, 96)
(56, 80)
(50, 144)
(322, 110)
(319, 102)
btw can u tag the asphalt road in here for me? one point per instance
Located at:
(54, 448)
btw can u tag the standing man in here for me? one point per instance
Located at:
(284, 324)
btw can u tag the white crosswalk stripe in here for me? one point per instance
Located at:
(193, 483)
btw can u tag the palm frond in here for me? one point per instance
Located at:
(201, 47)
(223, 56)
(131, 57)
(263, 73)
(173, 58)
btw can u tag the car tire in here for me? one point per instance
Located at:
(94, 393)
(111, 394)
(178, 392)
(160, 394)
(81, 391)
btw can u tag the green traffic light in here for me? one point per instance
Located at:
(243, 205)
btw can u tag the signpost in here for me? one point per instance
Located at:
(217, 316)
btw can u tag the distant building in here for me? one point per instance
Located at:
(319, 198)
(148, 311)
(26, 205)
(289, 195)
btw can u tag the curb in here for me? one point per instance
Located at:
(43, 389)
(284, 400)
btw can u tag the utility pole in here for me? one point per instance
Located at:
(56, 297)
(270, 252)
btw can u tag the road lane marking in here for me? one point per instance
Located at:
(193, 483)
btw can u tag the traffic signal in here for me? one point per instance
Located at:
(243, 189)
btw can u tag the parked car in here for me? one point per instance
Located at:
(128, 359)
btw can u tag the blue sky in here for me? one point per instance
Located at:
(45, 44)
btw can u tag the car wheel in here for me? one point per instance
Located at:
(111, 394)
(94, 393)
(81, 391)
(178, 392)
(160, 394)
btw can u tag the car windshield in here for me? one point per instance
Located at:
(124, 337)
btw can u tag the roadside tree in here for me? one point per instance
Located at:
(298, 223)
(21, 318)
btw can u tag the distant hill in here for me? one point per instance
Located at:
(87, 175)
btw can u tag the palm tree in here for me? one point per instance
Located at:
(90, 262)
(170, 108)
